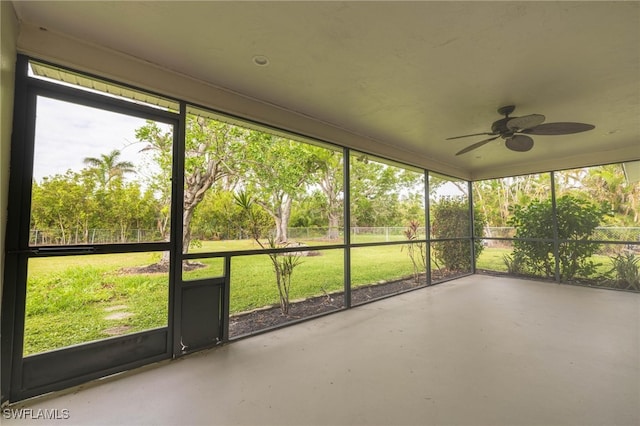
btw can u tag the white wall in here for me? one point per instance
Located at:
(8, 37)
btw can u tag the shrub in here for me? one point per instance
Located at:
(514, 265)
(417, 250)
(451, 220)
(577, 219)
(626, 270)
(283, 265)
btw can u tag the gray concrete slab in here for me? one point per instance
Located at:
(476, 351)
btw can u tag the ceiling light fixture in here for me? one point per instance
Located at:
(261, 60)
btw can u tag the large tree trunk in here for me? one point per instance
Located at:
(197, 185)
(164, 259)
(186, 234)
(282, 235)
(328, 185)
(281, 216)
(278, 221)
(334, 225)
(186, 228)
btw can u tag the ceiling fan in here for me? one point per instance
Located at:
(514, 130)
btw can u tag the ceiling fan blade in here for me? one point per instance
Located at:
(526, 122)
(466, 136)
(520, 143)
(559, 129)
(476, 145)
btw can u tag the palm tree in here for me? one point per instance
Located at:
(608, 183)
(108, 167)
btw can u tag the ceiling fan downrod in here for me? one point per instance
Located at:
(506, 110)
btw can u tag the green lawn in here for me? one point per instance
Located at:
(76, 299)
(492, 259)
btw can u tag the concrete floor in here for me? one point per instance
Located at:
(476, 351)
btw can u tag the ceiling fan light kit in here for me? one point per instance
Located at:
(514, 130)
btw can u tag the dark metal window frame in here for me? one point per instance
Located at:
(17, 242)
(40, 370)
(18, 250)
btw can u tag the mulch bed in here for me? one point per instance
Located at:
(157, 268)
(269, 317)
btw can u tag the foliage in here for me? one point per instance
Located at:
(67, 207)
(278, 171)
(451, 220)
(600, 184)
(605, 184)
(514, 264)
(576, 219)
(108, 167)
(283, 264)
(417, 250)
(312, 210)
(495, 197)
(626, 270)
(210, 153)
(330, 179)
(383, 195)
(219, 217)
(64, 203)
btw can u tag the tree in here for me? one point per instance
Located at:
(210, 147)
(125, 207)
(277, 171)
(65, 203)
(107, 167)
(330, 179)
(310, 211)
(495, 197)
(218, 216)
(378, 191)
(604, 184)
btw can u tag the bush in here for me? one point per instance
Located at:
(283, 265)
(514, 265)
(626, 271)
(577, 219)
(417, 250)
(451, 220)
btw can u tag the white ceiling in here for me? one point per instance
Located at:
(401, 74)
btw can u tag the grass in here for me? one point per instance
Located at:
(492, 259)
(77, 299)
(253, 282)
(70, 299)
(74, 299)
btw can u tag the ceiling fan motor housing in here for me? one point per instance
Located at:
(499, 127)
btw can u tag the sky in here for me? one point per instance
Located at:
(68, 133)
